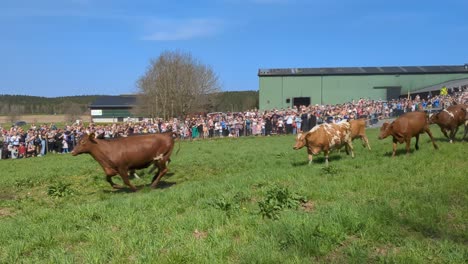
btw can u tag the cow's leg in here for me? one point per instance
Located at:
(453, 132)
(156, 174)
(365, 141)
(466, 129)
(428, 131)
(416, 146)
(124, 175)
(444, 131)
(394, 147)
(408, 144)
(310, 156)
(349, 147)
(326, 157)
(132, 173)
(161, 172)
(109, 180)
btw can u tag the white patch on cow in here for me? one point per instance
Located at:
(315, 128)
(335, 141)
(299, 136)
(450, 114)
(159, 157)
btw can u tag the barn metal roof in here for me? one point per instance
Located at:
(448, 84)
(387, 70)
(114, 101)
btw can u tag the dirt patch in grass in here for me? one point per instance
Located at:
(4, 212)
(385, 250)
(200, 234)
(338, 255)
(308, 206)
(7, 196)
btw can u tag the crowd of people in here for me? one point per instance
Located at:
(18, 142)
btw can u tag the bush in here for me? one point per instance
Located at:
(60, 190)
(277, 199)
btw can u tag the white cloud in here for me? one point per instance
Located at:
(171, 29)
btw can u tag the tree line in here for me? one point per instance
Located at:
(36, 105)
(235, 101)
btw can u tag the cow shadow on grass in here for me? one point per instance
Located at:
(446, 140)
(316, 160)
(401, 151)
(161, 185)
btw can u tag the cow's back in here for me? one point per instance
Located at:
(459, 113)
(335, 135)
(410, 124)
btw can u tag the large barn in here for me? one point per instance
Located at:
(282, 88)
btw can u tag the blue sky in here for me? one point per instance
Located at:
(76, 47)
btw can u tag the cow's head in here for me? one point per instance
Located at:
(433, 118)
(300, 141)
(85, 144)
(385, 130)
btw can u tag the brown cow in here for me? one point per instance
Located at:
(450, 119)
(358, 130)
(127, 154)
(325, 137)
(404, 128)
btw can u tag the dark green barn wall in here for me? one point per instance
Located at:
(334, 89)
(114, 113)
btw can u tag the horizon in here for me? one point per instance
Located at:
(87, 95)
(67, 48)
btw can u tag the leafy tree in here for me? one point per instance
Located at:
(176, 84)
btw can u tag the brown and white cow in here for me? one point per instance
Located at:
(404, 128)
(358, 130)
(127, 154)
(450, 119)
(326, 137)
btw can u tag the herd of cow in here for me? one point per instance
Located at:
(122, 156)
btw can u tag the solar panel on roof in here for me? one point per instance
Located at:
(365, 70)
(371, 69)
(412, 69)
(391, 69)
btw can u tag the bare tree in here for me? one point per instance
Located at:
(73, 112)
(176, 84)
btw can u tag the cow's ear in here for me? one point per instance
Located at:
(91, 137)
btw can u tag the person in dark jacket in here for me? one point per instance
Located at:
(268, 126)
(312, 121)
(305, 123)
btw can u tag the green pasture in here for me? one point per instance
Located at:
(247, 200)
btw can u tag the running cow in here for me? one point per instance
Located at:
(127, 154)
(404, 128)
(450, 119)
(358, 130)
(325, 137)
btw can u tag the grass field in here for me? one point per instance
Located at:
(248, 200)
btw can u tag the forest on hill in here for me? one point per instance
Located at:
(78, 105)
